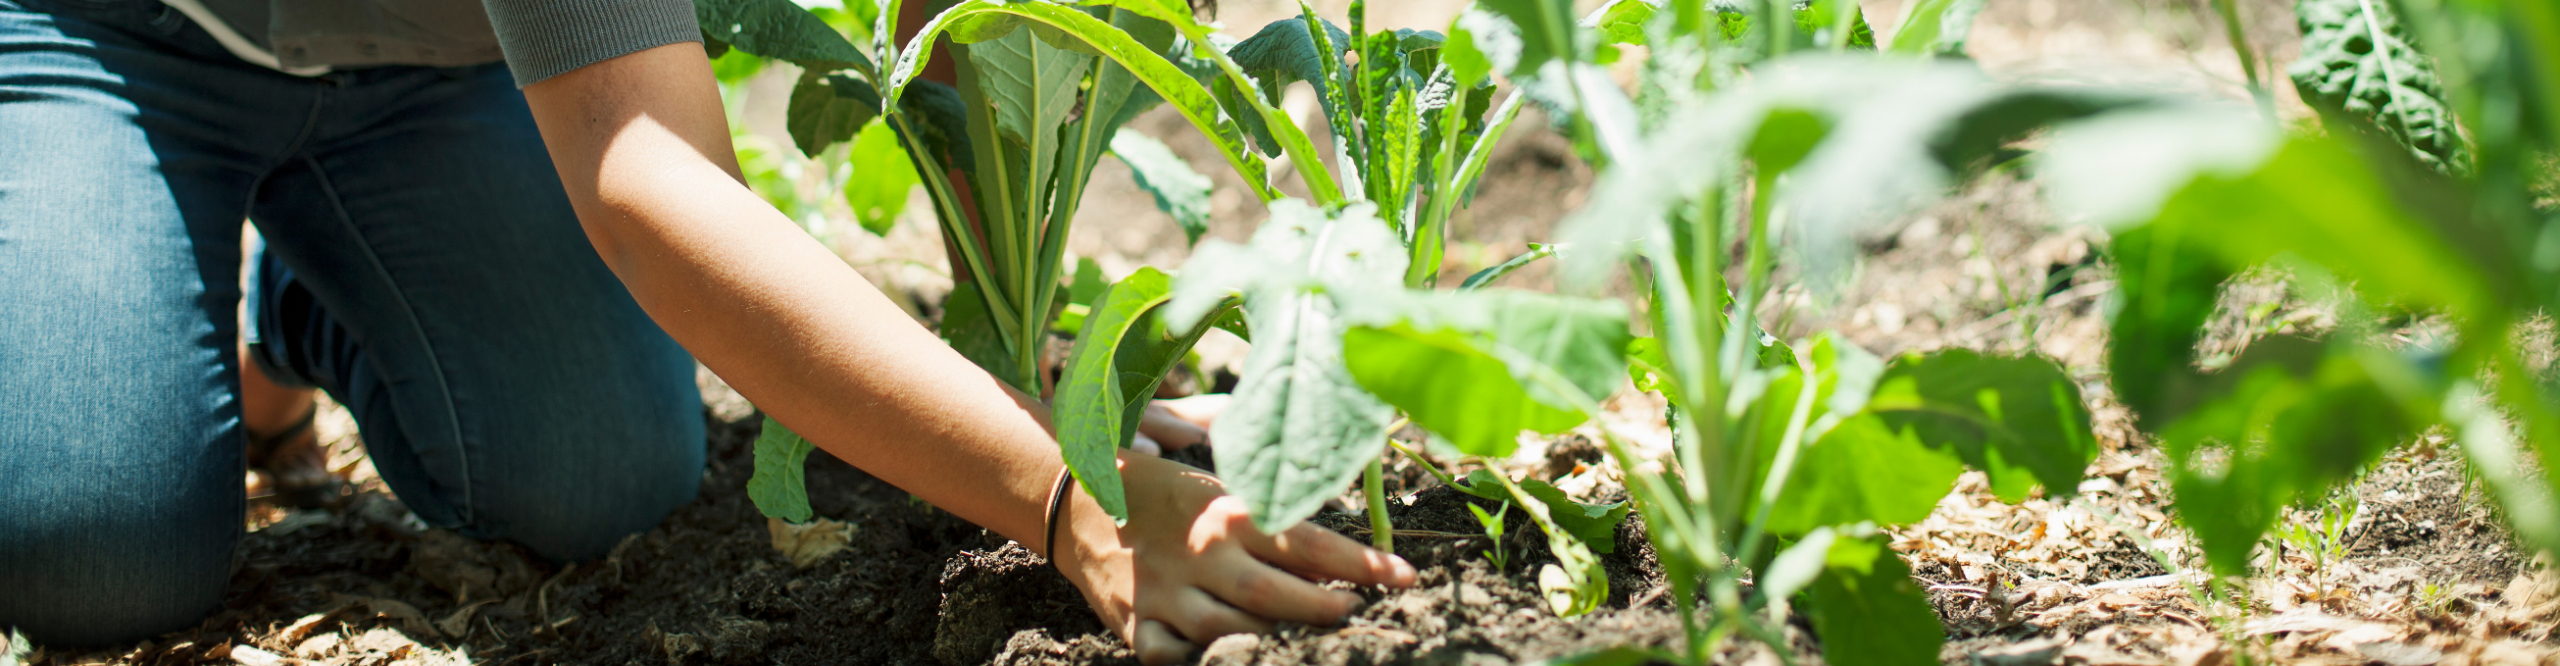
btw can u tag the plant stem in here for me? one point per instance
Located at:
(2231, 29)
(1373, 485)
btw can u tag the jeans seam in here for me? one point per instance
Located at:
(444, 385)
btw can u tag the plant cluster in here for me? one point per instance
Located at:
(1758, 139)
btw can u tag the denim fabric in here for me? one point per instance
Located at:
(422, 265)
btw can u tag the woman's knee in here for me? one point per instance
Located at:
(114, 567)
(574, 479)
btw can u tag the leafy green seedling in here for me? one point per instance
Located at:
(1492, 523)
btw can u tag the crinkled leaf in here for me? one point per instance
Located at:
(779, 487)
(1179, 191)
(2357, 60)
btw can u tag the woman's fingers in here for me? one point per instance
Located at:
(1319, 552)
(1147, 445)
(1156, 645)
(1202, 618)
(1200, 410)
(1270, 593)
(1171, 431)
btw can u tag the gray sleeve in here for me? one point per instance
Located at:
(543, 38)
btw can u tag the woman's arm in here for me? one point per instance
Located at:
(642, 147)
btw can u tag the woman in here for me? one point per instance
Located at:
(504, 286)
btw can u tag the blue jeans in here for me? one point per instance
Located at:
(422, 265)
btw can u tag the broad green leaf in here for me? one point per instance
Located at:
(1178, 190)
(1030, 88)
(2293, 422)
(779, 487)
(827, 109)
(1546, 28)
(1853, 467)
(1481, 43)
(2020, 420)
(1089, 405)
(1593, 524)
(1495, 272)
(1300, 428)
(1170, 82)
(2357, 60)
(1867, 610)
(732, 66)
(2169, 292)
(1086, 285)
(1797, 565)
(1469, 367)
(1620, 21)
(1113, 96)
(780, 30)
(883, 176)
(1934, 27)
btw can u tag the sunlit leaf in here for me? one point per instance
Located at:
(779, 487)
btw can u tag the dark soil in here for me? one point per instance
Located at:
(915, 586)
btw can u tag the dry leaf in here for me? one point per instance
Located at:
(249, 656)
(808, 543)
(459, 622)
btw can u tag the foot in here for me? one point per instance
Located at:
(291, 466)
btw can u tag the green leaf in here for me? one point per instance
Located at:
(1029, 88)
(2357, 61)
(1481, 43)
(1621, 21)
(1300, 428)
(780, 30)
(2293, 422)
(1593, 524)
(2020, 420)
(1284, 51)
(827, 109)
(1087, 285)
(1495, 272)
(1170, 82)
(1178, 190)
(1934, 27)
(1090, 403)
(1797, 566)
(1855, 467)
(1867, 610)
(1469, 366)
(732, 66)
(883, 176)
(1546, 29)
(970, 328)
(779, 487)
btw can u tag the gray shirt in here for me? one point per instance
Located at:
(538, 39)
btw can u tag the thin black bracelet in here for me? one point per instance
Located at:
(1057, 505)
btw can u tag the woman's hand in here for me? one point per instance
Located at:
(1190, 566)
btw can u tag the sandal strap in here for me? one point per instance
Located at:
(261, 446)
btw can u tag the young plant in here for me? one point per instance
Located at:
(2393, 201)
(1492, 523)
(1785, 457)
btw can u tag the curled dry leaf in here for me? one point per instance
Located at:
(811, 542)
